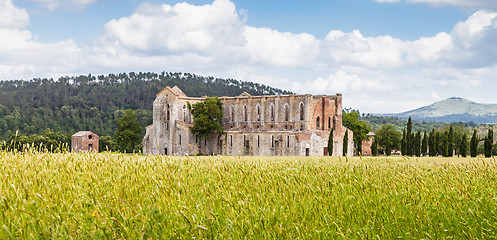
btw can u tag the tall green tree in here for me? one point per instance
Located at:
(345, 143)
(359, 128)
(463, 146)
(432, 149)
(438, 143)
(417, 144)
(330, 143)
(409, 140)
(444, 144)
(473, 146)
(489, 142)
(388, 138)
(207, 117)
(128, 136)
(403, 148)
(424, 144)
(450, 142)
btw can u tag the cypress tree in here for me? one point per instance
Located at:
(431, 144)
(345, 143)
(409, 137)
(450, 142)
(403, 146)
(424, 145)
(438, 146)
(330, 143)
(488, 143)
(473, 145)
(445, 144)
(417, 144)
(463, 148)
(491, 140)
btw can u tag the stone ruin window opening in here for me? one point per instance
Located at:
(231, 140)
(168, 112)
(90, 136)
(232, 114)
(287, 112)
(184, 113)
(287, 141)
(180, 139)
(301, 108)
(90, 147)
(317, 122)
(244, 143)
(329, 122)
(258, 112)
(258, 142)
(245, 113)
(272, 141)
(271, 112)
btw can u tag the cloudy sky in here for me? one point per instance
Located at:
(383, 55)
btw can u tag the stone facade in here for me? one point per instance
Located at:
(366, 145)
(84, 141)
(281, 125)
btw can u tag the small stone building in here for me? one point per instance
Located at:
(367, 144)
(84, 141)
(280, 125)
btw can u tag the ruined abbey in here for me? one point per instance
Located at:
(280, 125)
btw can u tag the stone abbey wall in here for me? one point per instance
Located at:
(281, 125)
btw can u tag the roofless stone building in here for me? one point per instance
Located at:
(279, 125)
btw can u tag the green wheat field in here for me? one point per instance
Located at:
(117, 196)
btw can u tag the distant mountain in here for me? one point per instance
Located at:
(453, 110)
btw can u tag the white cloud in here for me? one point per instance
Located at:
(475, 41)
(23, 56)
(179, 28)
(11, 16)
(53, 4)
(266, 46)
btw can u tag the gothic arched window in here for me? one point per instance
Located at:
(271, 112)
(301, 109)
(287, 112)
(258, 112)
(184, 113)
(245, 113)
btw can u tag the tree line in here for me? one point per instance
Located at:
(127, 138)
(447, 141)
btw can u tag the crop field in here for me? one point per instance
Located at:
(113, 196)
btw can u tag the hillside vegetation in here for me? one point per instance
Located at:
(71, 104)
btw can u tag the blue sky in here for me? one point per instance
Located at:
(383, 55)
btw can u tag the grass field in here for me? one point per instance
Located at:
(88, 196)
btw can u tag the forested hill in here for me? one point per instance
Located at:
(71, 104)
